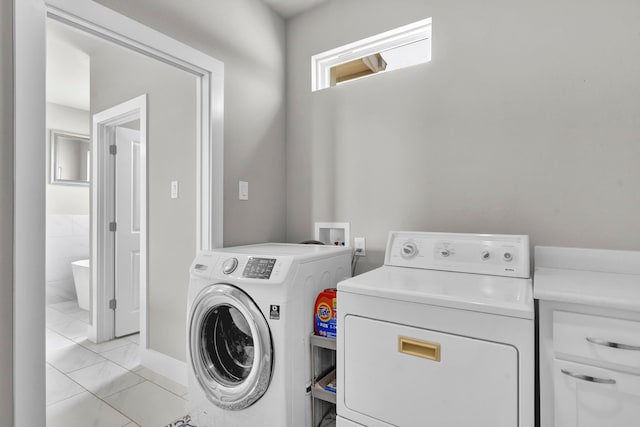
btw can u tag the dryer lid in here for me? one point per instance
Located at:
(506, 296)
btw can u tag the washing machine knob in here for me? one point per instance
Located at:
(230, 265)
(486, 255)
(409, 250)
(445, 253)
(507, 256)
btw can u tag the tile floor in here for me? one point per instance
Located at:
(102, 385)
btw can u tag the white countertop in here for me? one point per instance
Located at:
(601, 278)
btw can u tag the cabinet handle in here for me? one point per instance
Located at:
(588, 378)
(606, 343)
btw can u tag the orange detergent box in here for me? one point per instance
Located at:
(325, 313)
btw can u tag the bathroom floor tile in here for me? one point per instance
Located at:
(133, 338)
(54, 316)
(164, 382)
(103, 346)
(82, 315)
(66, 307)
(60, 387)
(127, 356)
(72, 358)
(148, 404)
(55, 341)
(84, 410)
(71, 328)
(105, 378)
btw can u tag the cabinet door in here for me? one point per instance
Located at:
(586, 396)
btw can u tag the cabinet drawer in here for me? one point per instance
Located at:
(594, 397)
(603, 340)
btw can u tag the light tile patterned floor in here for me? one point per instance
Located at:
(102, 385)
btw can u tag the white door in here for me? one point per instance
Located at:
(413, 377)
(127, 216)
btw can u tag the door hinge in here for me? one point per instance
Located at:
(113, 226)
(113, 304)
(113, 149)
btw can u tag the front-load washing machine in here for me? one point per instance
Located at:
(249, 318)
(441, 335)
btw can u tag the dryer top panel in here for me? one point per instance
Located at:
(506, 296)
(493, 254)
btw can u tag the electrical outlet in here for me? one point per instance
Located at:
(360, 246)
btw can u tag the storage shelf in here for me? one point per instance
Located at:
(322, 394)
(323, 342)
(318, 392)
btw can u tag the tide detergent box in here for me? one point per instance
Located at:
(325, 313)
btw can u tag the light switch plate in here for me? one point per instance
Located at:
(174, 189)
(243, 190)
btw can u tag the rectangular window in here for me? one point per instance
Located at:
(398, 48)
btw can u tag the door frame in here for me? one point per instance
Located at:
(29, 40)
(103, 245)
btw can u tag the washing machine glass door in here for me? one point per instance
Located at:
(230, 347)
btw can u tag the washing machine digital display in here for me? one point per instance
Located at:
(259, 268)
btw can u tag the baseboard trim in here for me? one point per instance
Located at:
(164, 365)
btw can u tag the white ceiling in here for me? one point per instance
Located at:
(289, 8)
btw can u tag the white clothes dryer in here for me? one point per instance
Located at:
(441, 335)
(249, 318)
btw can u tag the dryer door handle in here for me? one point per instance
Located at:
(419, 348)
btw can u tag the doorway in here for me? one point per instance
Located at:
(119, 222)
(29, 206)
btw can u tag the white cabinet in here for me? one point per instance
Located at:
(589, 337)
(587, 396)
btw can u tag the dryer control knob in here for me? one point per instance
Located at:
(230, 265)
(409, 250)
(507, 256)
(486, 255)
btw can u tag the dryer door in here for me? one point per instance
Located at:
(230, 347)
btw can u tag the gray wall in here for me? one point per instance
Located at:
(527, 120)
(250, 39)
(118, 75)
(6, 213)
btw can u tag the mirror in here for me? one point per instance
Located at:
(69, 158)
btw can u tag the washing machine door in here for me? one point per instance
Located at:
(230, 347)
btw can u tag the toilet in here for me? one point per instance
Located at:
(80, 271)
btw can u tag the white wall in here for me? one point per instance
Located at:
(6, 213)
(66, 199)
(250, 39)
(527, 120)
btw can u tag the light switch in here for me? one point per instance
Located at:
(243, 193)
(174, 189)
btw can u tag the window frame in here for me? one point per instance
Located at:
(322, 63)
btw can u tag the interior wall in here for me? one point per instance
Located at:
(526, 121)
(118, 75)
(66, 199)
(249, 38)
(6, 212)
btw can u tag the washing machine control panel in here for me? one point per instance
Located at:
(259, 268)
(495, 254)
